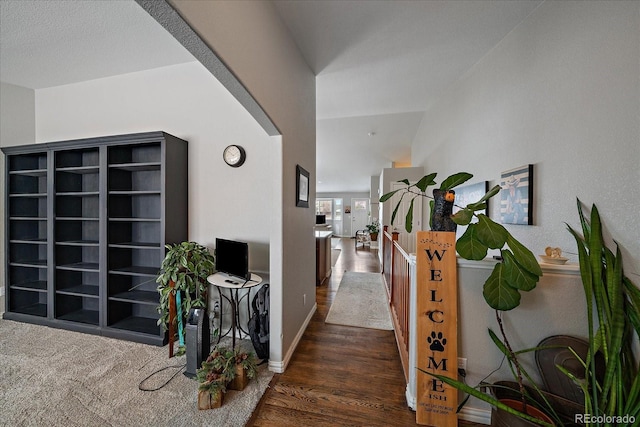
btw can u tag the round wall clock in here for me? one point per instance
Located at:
(234, 155)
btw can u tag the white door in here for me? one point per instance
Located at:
(406, 240)
(359, 215)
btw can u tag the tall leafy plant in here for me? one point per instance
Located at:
(614, 301)
(518, 270)
(185, 269)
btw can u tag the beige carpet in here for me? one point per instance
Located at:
(361, 301)
(56, 377)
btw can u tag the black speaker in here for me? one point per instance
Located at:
(197, 340)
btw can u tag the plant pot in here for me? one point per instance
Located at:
(206, 400)
(374, 236)
(240, 380)
(500, 418)
(565, 409)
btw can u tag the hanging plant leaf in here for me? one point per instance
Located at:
(455, 180)
(463, 216)
(490, 233)
(408, 225)
(516, 276)
(497, 292)
(495, 190)
(389, 195)
(395, 211)
(469, 247)
(426, 181)
(524, 256)
(476, 206)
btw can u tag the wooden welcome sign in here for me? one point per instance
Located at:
(437, 329)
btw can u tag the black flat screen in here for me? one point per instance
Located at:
(232, 258)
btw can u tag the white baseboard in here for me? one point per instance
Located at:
(411, 398)
(474, 415)
(279, 367)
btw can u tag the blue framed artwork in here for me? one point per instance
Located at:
(516, 196)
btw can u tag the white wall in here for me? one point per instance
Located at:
(17, 126)
(17, 115)
(561, 92)
(392, 175)
(255, 45)
(553, 298)
(186, 101)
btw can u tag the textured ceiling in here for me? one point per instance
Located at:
(53, 43)
(379, 64)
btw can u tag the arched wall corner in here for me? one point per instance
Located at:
(170, 19)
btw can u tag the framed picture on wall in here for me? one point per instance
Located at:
(516, 196)
(470, 194)
(302, 187)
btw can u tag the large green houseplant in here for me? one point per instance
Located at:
(614, 301)
(185, 269)
(611, 298)
(516, 269)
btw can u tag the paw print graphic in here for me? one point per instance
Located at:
(436, 341)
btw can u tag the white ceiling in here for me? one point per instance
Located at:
(41, 41)
(379, 64)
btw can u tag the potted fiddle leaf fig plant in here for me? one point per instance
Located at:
(515, 271)
(610, 378)
(184, 273)
(610, 296)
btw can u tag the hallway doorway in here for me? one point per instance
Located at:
(359, 215)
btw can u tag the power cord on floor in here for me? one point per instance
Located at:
(140, 386)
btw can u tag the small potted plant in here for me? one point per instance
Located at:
(245, 367)
(212, 383)
(237, 366)
(374, 229)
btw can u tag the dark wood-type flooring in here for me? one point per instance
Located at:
(339, 375)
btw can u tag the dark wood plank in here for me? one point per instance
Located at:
(339, 375)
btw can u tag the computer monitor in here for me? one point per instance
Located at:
(232, 258)
(321, 219)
